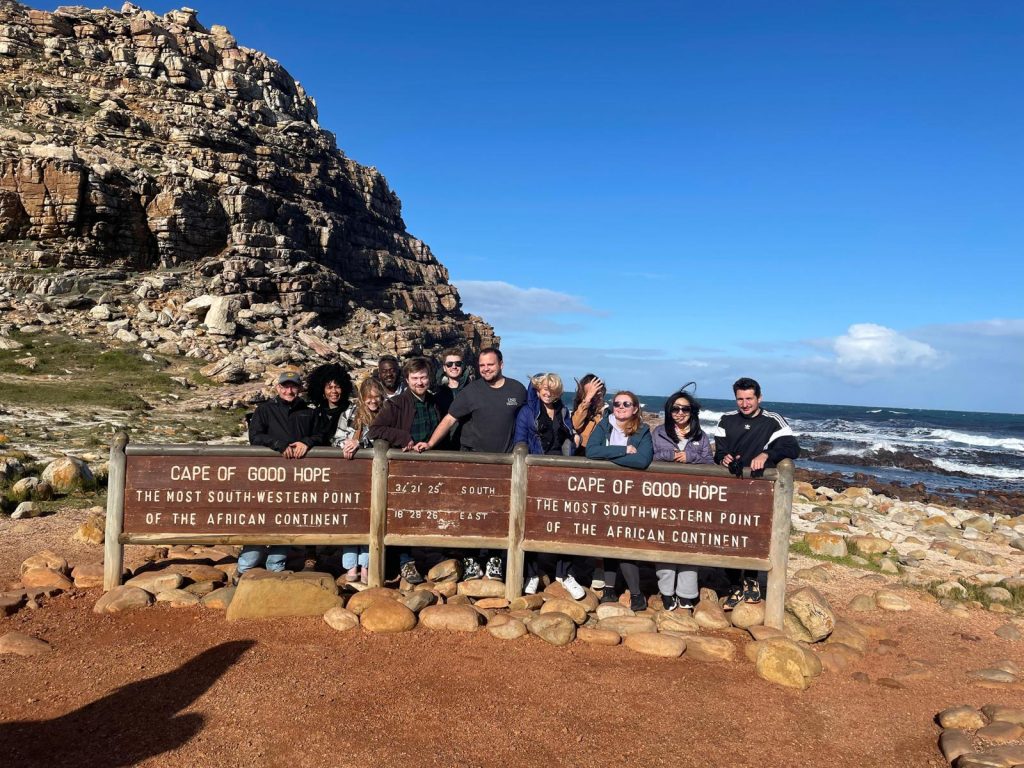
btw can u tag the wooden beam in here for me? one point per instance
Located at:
(113, 550)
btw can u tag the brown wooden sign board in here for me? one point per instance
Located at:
(240, 495)
(647, 511)
(448, 499)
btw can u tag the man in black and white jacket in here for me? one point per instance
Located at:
(758, 439)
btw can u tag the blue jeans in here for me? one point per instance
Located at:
(352, 556)
(252, 556)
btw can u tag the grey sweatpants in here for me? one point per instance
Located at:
(679, 580)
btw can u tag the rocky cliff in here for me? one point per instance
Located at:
(164, 186)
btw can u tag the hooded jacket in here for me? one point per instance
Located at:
(277, 424)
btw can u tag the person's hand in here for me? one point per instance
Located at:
(296, 450)
(759, 461)
(410, 446)
(630, 449)
(591, 388)
(679, 456)
(421, 446)
(349, 449)
(727, 460)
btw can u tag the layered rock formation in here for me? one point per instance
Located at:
(164, 185)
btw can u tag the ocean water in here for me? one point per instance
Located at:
(944, 450)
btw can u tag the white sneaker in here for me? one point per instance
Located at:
(531, 586)
(576, 591)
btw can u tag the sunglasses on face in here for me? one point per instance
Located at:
(681, 409)
(453, 364)
(623, 404)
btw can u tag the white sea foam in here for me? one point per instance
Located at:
(1006, 443)
(1003, 473)
(881, 445)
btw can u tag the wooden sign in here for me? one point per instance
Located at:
(637, 510)
(448, 499)
(240, 495)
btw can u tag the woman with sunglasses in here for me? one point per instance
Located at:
(680, 439)
(622, 438)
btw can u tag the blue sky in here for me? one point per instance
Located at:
(823, 195)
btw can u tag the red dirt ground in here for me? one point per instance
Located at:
(183, 687)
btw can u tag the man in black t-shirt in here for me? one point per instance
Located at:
(486, 408)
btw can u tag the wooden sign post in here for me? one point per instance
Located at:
(688, 514)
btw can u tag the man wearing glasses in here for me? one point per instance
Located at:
(486, 409)
(453, 377)
(289, 426)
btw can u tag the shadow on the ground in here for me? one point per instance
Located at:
(133, 723)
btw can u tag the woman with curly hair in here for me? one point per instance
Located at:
(328, 388)
(588, 408)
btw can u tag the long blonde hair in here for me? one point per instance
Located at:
(364, 416)
(630, 426)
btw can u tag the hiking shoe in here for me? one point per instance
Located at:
(669, 602)
(471, 569)
(637, 602)
(609, 596)
(531, 585)
(597, 585)
(735, 598)
(410, 574)
(574, 588)
(494, 569)
(751, 591)
(686, 603)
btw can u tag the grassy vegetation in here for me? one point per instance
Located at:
(801, 548)
(90, 375)
(976, 593)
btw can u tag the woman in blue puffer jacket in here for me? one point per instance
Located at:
(545, 425)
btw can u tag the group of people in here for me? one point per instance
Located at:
(457, 408)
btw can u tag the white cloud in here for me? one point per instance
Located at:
(867, 346)
(511, 308)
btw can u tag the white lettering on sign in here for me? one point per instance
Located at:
(307, 474)
(590, 484)
(190, 472)
(707, 492)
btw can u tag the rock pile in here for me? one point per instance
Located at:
(164, 187)
(989, 737)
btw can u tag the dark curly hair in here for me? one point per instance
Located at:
(321, 376)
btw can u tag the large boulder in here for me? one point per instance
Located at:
(276, 594)
(387, 616)
(453, 618)
(813, 612)
(122, 599)
(68, 474)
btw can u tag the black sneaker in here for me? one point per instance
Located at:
(471, 569)
(608, 595)
(410, 574)
(669, 602)
(637, 602)
(493, 569)
(685, 603)
(751, 591)
(734, 599)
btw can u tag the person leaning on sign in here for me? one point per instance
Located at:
(289, 426)
(680, 439)
(545, 425)
(407, 421)
(755, 438)
(623, 438)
